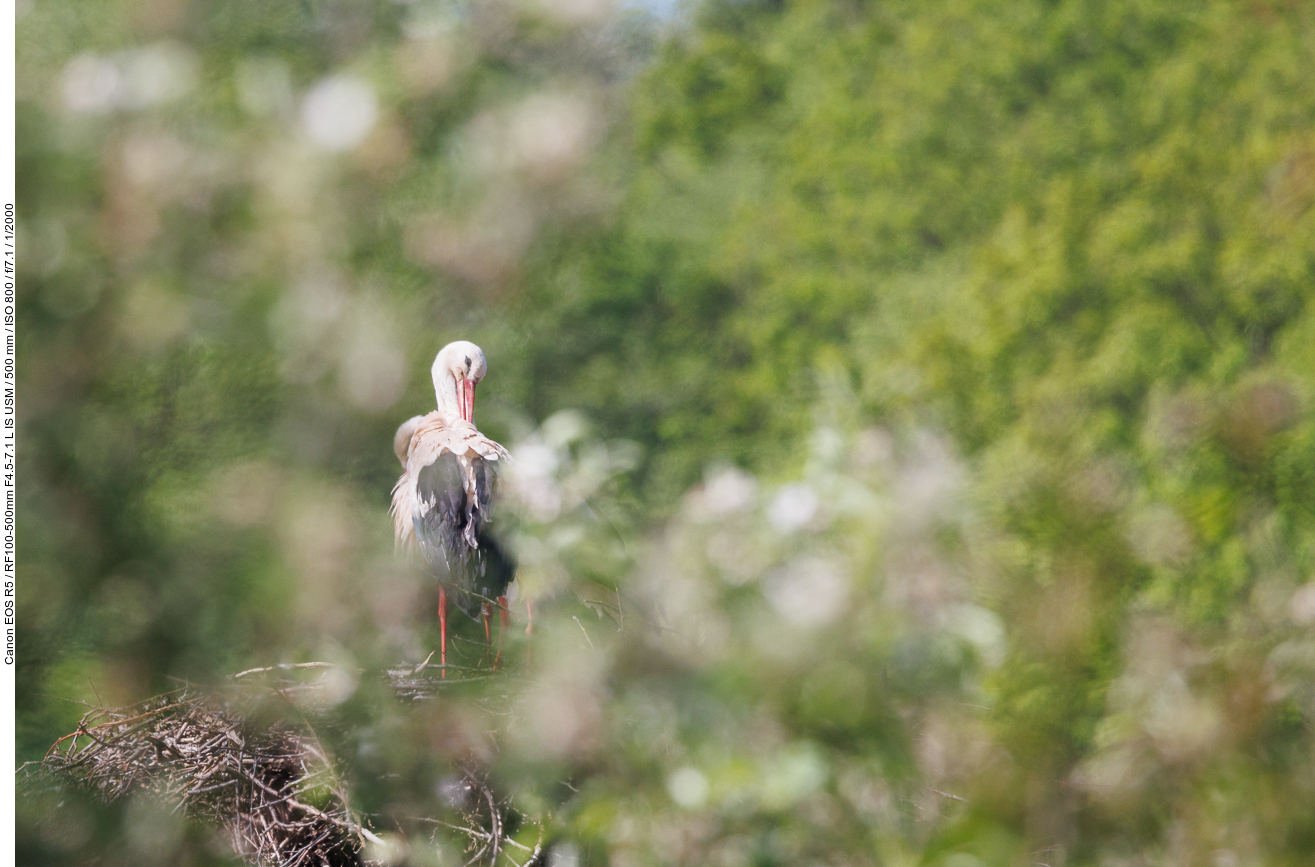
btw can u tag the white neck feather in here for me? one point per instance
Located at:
(445, 389)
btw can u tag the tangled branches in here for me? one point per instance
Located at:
(484, 823)
(268, 782)
(273, 792)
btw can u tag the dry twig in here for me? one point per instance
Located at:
(199, 754)
(272, 789)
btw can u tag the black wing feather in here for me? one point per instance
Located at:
(474, 574)
(440, 528)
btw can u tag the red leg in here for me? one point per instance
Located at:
(529, 618)
(442, 628)
(504, 620)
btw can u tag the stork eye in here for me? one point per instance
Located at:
(467, 362)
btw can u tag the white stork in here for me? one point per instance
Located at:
(441, 502)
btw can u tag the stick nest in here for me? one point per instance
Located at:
(272, 791)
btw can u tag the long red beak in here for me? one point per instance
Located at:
(468, 400)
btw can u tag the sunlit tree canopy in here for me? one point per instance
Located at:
(910, 406)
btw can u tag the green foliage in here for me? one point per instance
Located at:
(992, 320)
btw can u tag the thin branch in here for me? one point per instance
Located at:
(582, 629)
(946, 795)
(287, 666)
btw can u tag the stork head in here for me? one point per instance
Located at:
(457, 369)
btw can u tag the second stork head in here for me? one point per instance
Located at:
(457, 369)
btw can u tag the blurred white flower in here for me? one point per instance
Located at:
(330, 689)
(315, 302)
(156, 162)
(156, 74)
(792, 508)
(485, 245)
(1183, 724)
(1290, 668)
(532, 478)
(563, 428)
(688, 788)
(373, 373)
(545, 136)
(536, 460)
(546, 478)
(549, 133)
(874, 447)
(1113, 773)
(339, 112)
(133, 80)
(738, 559)
(928, 478)
(90, 84)
(563, 715)
(791, 774)
(564, 854)
(387, 849)
(726, 492)
(980, 628)
(808, 592)
(1303, 605)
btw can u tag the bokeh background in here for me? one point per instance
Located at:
(912, 404)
